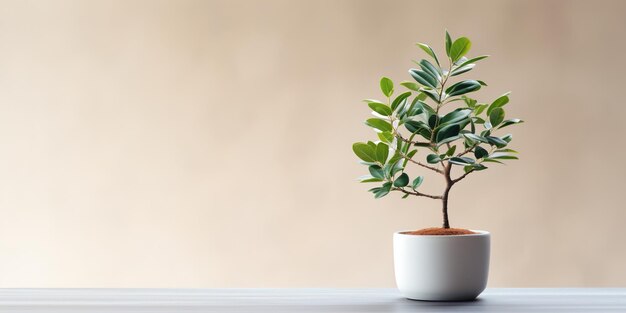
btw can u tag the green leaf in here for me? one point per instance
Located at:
(506, 150)
(480, 152)
(408, 157)
(449, 139)
(461, 70)
(382, 152)
(395, 168)
(454, 116)
(431, 94)
(502, 100)
(414, 109)
(479, 108)
(491, 160)
(448, 132)
(423, 78)
(385, 137)
(394, 160)
(379, 124)
(386, 85)
(429, 51)
(433, 120)
(459, 48)
(411, 153)
(511, 122)
(380, 108)
(498, 103)
(461, 161)
(474, 167)
(417, 182)
(496, 117)
(377, 171)
(399, 99)
(422, 144)
(433, 158)
(458, 62)
(448, 43)
(471, 103)
(463, 87)
(479, 167)
(427, 108)
(387, 169)
(371, 180)
(495, 141)
(419, 128)
(507, 157)
(475, 138)
(430, 69)
(402, 146)
(373, 145)
(414, 125)
(364, 151)
(478, 120)
(502, 156)
(507, 137)
(472, 61)
(402, 180)
(383, 191)
(411, 85)
(450, 151)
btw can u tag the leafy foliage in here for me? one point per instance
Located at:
(434, 115)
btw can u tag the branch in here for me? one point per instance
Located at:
(454, 181)
(467, 150)
(417, 193)
(412, 142)
(416, 162)
(424, 165)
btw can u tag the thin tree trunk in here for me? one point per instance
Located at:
(444, 198)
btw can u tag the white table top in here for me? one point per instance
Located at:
(304, 300)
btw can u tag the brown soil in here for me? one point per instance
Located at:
(440, 231)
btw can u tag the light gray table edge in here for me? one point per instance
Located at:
(304, 300)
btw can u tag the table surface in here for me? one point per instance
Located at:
(304, 300)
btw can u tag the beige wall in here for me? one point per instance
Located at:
(207, 143)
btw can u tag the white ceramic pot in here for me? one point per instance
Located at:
(441, 268)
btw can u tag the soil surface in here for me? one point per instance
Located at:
(440, 231)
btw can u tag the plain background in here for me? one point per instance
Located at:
(208, 143)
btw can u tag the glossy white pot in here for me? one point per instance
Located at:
(441, 268)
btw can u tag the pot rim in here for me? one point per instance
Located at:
(478, 233)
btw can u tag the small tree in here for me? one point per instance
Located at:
(404, 125)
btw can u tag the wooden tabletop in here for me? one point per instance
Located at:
(304, 300)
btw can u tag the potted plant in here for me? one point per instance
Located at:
(457, 136)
